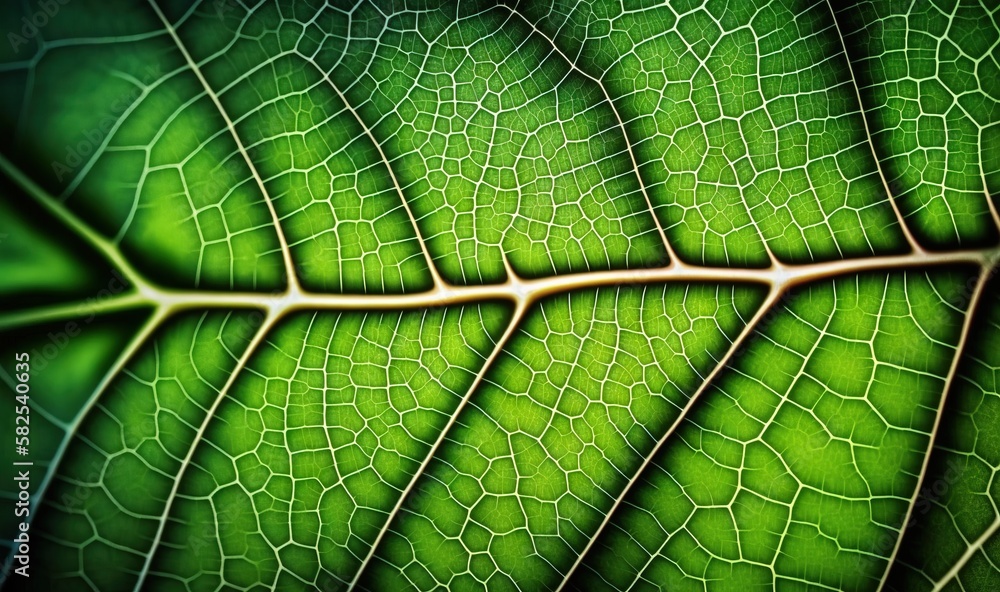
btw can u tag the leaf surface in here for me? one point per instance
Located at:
(505, 296)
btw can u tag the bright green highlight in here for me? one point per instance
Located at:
(317, 440)
(801, 460)
(564, 419)
(107, 499)
(744, 121)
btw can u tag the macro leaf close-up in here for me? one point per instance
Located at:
(552, 295)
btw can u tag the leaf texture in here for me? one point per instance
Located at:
(554, 295)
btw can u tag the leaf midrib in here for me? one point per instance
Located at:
(523, 293)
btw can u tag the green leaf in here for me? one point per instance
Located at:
(503, 296)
